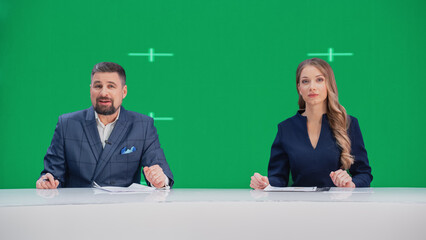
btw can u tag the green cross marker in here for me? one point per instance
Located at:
(330, 54)
(151, 114)
(151, 54)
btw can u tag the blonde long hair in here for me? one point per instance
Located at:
(336, 113)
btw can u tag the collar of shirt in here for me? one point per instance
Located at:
(99, 120)
(105, 130)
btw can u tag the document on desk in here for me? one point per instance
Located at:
(351, 190)
(130, 189)
(270, 188)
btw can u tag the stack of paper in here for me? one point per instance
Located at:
(269, 188)
(130, 189)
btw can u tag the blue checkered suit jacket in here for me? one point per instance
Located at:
(76, 157)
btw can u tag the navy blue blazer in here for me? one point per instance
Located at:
(292, 151)
(76, 157)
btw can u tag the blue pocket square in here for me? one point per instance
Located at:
(127, 151)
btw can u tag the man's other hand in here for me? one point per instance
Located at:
(155, 176)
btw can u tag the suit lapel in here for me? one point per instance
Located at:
(115, 138)
(91, 130)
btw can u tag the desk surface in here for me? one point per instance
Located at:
(374, 213)
(77, 196)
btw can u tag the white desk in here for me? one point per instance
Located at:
(380, 213)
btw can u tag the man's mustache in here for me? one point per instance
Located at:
(103, 99)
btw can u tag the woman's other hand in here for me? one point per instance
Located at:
(341, 178)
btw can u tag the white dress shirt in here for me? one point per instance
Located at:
(105, 130)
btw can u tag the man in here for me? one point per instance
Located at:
(105, 144)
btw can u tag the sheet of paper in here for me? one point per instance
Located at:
(131, 189)
(351, 190)
(270, 188)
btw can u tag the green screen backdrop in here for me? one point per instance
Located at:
(217, 76)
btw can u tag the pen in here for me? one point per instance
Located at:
(46, 179)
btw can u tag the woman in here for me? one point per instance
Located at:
(321, 145)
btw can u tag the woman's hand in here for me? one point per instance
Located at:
(341, 178)
(258, 181)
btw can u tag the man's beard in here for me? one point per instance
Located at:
(105, 110)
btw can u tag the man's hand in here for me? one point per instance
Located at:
(258, 181)
(155, 176)
(47, 181)
(341, 178)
